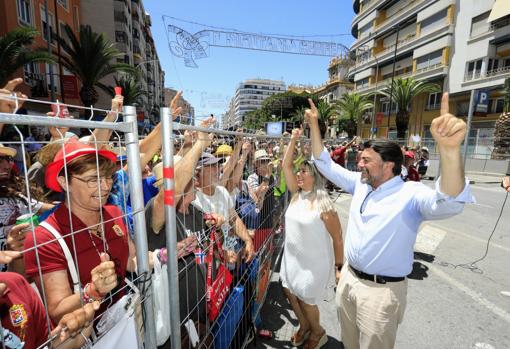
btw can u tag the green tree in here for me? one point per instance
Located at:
(16, 51)
(256, 119)
(326, 113)
(131, 90)
(285, 104)
(351, 107)
(404, 92)
(91, 57)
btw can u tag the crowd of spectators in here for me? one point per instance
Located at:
(81, 253)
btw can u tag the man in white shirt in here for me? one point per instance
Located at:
(384, 218)
(213, 198)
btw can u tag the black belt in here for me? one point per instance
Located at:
(378, 279)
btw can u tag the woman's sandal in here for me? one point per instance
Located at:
(299, 338)
(316, 342)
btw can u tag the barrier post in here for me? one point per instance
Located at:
(136, 195)
(170, 226)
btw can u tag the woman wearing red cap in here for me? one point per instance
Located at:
(412, 173)
(93, 232)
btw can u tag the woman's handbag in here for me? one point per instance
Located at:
(217, 291)
(161, 301)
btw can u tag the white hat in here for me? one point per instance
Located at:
(261, 154)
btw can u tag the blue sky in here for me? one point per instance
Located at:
(209, 87)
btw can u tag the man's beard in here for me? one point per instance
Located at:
(366, 178)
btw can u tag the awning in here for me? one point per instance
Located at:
(500, 9)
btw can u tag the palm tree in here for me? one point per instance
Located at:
(90, 57)
(351, 107)
(131, 90)
(326, 113)
(404, 92)
(16, 51)
(298, 114)
(502, 128)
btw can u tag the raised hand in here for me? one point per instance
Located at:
(311, 114)
(448, 130)
(174, 105)
(117, 103)
(296, 133)
(7, 105)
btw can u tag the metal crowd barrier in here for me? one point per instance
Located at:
(234, 327)
(251, 278)
(127, 135)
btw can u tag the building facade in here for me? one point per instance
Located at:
(36, 76)
(125, 23)
(480, 61)
(457, 44)
(251, 93)
(338, 82)
(417, 36)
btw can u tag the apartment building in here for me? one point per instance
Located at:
(36, 76)
(251, 93)
(480, 61)
(125, 23)
(415, 34)
(460, 45)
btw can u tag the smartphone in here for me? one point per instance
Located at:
(60, 110)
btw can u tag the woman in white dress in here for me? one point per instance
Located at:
(313, 247)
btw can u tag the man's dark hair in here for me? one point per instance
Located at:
(389, 151)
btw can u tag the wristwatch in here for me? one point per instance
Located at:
(339, 266)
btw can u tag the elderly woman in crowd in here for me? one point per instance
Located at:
(94, 231)
(313, 247)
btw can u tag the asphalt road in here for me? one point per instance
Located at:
(451, 302)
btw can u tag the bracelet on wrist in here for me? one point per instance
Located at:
(339, 266)
(90, 294)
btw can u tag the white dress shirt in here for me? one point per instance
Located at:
(383, 223)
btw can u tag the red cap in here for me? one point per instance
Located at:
(409, 154)
(73, 149)
(118, 91)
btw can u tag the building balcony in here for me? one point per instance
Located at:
(497, 29)
(430, 72)
(414, 6)
(366, 9)
(487, 78)
(406, 44)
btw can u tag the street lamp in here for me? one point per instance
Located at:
(372, 126)
(397, 27)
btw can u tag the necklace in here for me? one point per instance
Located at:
(106, 249)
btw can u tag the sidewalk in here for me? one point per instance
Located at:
(278, 317)
(476, 177)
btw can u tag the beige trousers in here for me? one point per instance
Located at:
(369, 313)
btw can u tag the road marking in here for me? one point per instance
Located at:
(428, 238)
(467, 236)
(473, 294)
